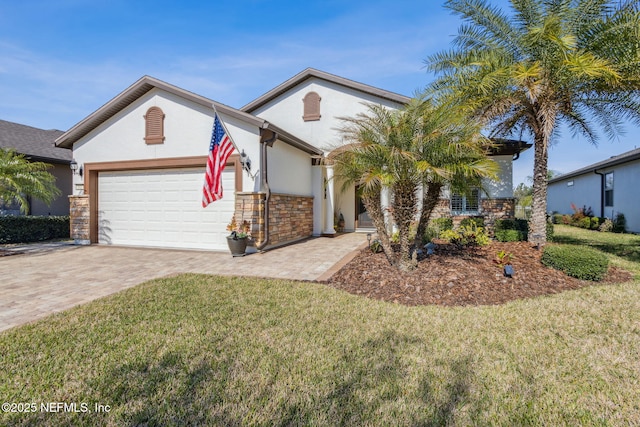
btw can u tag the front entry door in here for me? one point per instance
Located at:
(362, 216)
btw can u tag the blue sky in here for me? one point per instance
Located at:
(63, 59)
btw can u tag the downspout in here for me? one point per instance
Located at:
(601, 192)
(267, 138)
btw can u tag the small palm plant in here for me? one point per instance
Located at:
(21, 179)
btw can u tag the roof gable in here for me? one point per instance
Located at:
(146, 84)
(311, 73)
(33, 142)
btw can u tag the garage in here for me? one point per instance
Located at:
(162, 208)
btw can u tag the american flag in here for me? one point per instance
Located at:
(220, 149)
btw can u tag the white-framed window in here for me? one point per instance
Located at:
(466, 204)
(608, 189)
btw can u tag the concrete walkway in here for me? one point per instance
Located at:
(48, 278)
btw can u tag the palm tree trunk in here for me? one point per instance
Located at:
(538, 221)
(404, 211)
(374, 209)
(429, 202)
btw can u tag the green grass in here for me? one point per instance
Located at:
(206, 350)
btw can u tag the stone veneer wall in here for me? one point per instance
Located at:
(493, 209)
(79, 219)
(290, 216)
(490, 210)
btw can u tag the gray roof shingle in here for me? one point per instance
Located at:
(626, 157)
(38, 144)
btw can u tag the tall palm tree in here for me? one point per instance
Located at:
(379, 155)
(547, 63)
(21, 179)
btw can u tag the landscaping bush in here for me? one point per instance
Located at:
(511, 230)
(584, 222)
(466, 235)
(550, 231)
(509, 235)
(606, 226)
(478, 221)
(24, 229)
(583, 263)
(437, 226)
(558, 218)
(595, 223)
(620, 224)
(442, 223)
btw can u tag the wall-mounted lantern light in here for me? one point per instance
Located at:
(75, 168)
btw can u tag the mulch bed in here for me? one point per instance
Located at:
(460, 277)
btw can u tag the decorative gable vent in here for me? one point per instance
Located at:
(311, 107)
(154, 126)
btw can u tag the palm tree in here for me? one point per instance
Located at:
(379, 156)
(451, 152)
(21, 179)
(548, 63)
(421, 146)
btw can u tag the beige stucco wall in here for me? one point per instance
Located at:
(187, 130)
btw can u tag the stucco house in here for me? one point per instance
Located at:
(607, 187)
(38, 145)
(143, 155)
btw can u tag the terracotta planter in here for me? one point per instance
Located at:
(237, 245)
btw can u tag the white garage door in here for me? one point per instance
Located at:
(163, 208)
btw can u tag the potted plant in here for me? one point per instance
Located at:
(237, 240)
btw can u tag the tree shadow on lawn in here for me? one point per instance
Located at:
(375, 379)
(627, 251)
(372, 379)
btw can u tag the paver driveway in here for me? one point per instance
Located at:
(33, 285)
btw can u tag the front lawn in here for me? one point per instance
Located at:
(204, 350)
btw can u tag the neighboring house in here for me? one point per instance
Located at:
(144, 153)
(607, 187)
(38, 145)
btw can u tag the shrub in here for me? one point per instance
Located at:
(584, 222)
(24, 229)
(430, 234)
(595, 223)
(376, 246)
(437, 226)
(466, 235)
(606, 226)
(558, 218)
(509, 236)
(442, 223)
(511, 230)
(550, 231)
(478, 221)
(566, 219)
(582, 263)
(620, 224)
